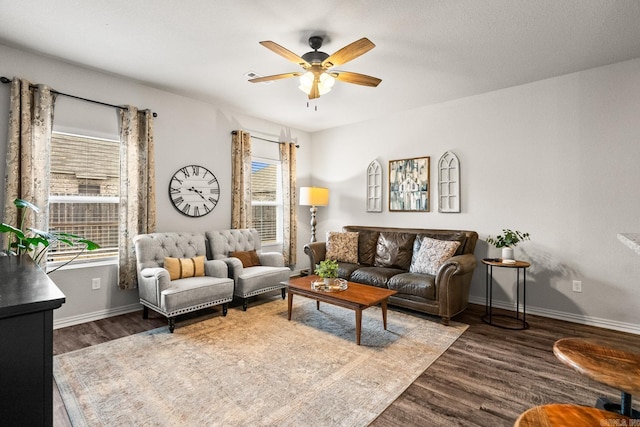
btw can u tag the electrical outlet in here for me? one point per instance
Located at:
(577, 286)
(95, 283)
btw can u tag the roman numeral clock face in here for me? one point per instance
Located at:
(194, 190)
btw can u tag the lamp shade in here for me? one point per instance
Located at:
(314, 196)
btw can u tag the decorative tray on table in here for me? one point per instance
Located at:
(336, 285)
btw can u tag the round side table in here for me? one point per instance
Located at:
(489, 317)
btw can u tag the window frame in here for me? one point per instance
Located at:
(278, 203)
(84, 262)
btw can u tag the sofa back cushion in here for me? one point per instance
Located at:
(223, 242)
(467, 246)
(151, 249)
(394, 250)
(367, 246)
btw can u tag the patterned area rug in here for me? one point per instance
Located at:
(253, 368)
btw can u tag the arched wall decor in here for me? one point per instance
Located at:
(374, 187)
(449, 183)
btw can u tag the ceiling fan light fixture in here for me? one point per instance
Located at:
(324, 85)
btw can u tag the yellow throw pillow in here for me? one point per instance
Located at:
(180, 268)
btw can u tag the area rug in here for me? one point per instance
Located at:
(253, 368)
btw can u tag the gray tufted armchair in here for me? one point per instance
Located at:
(183, 295)
(253, 280)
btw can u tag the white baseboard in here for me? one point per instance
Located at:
(96, 315)
(568, 317)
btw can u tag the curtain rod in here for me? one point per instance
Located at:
(6, 80)
(233, 132)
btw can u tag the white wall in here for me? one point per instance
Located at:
(186, 132)
(556, 158)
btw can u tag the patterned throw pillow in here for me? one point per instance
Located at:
(342, 247)
(248, 258)
(180, 268)
(433, 253)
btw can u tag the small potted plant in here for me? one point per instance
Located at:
(328, 270)
(507, 241)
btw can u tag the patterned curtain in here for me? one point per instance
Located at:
(137, 187)
(28, 148)
(290, 220)
(241, 213)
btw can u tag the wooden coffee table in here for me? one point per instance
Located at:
(356, 297)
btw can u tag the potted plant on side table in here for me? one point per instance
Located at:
(328, 270)
(507, 241)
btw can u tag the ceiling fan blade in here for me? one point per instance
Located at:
(315, 90)
(275, 77)
(355, 78)
(349, 52)
(285, 53)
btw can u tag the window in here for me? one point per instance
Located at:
(84, 194)
(266, 199)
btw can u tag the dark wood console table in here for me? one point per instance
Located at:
(27, 300)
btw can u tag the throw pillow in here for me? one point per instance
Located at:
(342, 247)
(433, 253)
(248, 258)
(180, 268)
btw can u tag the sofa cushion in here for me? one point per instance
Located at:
(432, 254)
(345, 269)
(421, 285)
(456, 236)
(374, 276)
(394, 250)
(248, 258)
(367, 244)
(180, 268)
(342, 246)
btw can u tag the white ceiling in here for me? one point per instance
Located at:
(427, 51)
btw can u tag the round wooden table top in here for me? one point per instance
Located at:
(497, 262)
(601, 362)
(563, 415)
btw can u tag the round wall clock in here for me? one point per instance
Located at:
(194, 190)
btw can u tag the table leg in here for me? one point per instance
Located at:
(289, 304)
(383, 306)
(317, 305)
(625, 404)
(358, 324)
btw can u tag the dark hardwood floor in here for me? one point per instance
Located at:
(486, 378)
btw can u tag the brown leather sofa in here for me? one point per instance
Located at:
(384, 258)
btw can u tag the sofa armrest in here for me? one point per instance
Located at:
(234, 266)
(272, 259)
(452, 285)
(216, 268)
(457, 265)
(316, 252)
(152, 281)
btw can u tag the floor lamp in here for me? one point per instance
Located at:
(314, 196)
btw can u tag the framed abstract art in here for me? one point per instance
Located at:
(409, 185)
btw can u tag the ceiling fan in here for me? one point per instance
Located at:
(318, 76)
